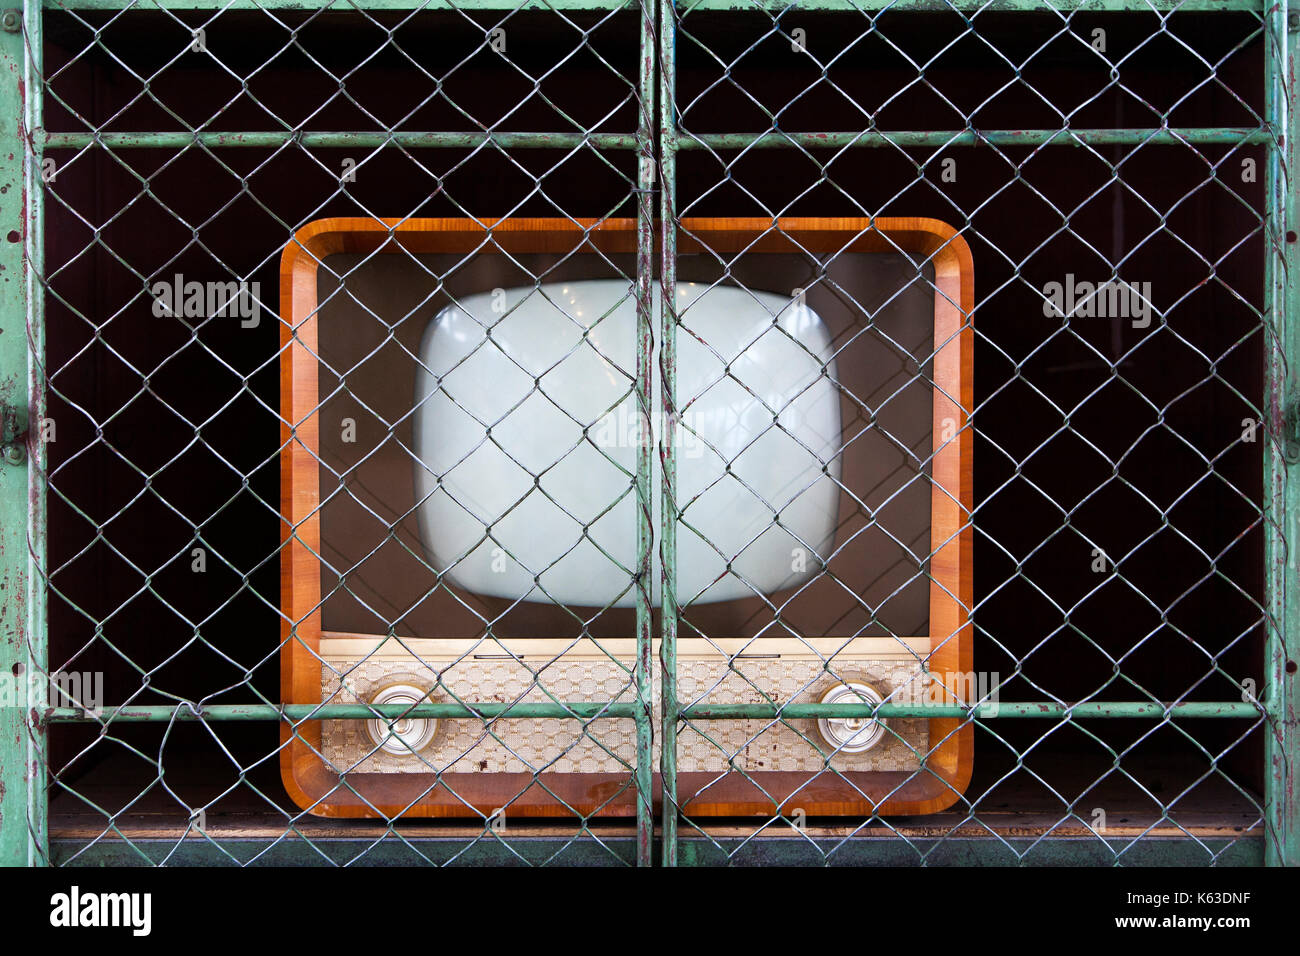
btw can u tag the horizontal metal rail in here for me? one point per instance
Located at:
(686, 6)
(587, 711)
(1018, 709)
(982, 6)
(338, 6)
(1154, 136)
(774, 846)
(1163, 136)
(270, 139)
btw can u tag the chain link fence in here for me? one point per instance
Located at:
(570, 432)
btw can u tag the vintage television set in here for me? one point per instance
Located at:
(458, 458)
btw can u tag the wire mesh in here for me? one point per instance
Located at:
(1109, 412)
(831, 429)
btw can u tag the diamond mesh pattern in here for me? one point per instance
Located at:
(1116, 530)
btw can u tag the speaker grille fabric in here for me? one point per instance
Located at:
(608, 745)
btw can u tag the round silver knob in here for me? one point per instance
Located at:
(408, 734)
(851, 735)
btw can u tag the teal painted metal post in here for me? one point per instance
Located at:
(34, 231)
(14, 849)
(645, 448)
(668, 556)
(667, 453)
(1282, 480)
(23, 832)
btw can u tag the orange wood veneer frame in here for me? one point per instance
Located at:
(313, 785)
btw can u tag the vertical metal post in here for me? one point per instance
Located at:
(37, 634)
(645, 447)
(1281, 490)
(23, 830)
(667, 449)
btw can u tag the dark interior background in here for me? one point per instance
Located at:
(167, 437)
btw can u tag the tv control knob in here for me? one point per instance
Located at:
(408, 735)
(851, 735)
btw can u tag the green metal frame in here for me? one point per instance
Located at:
(23, 835)
(24, 839)
(1015, 6)
(1281, 695)
(789, 849)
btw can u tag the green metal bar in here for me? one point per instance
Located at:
(587, 710)
(34, 275)
(1019, 6)
(270, 139)
(985, 850)
(989, 6)
(645, 216)
(1127, 709)
(1281, 492)
(23, 829)
(811, 848)
(938, 139)
(15, 848)
(339, 6)
(583, 710)
(667, 444)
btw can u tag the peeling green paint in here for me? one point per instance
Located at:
(22, 500)
(1281, 692)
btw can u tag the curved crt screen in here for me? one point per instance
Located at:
(526, 430)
